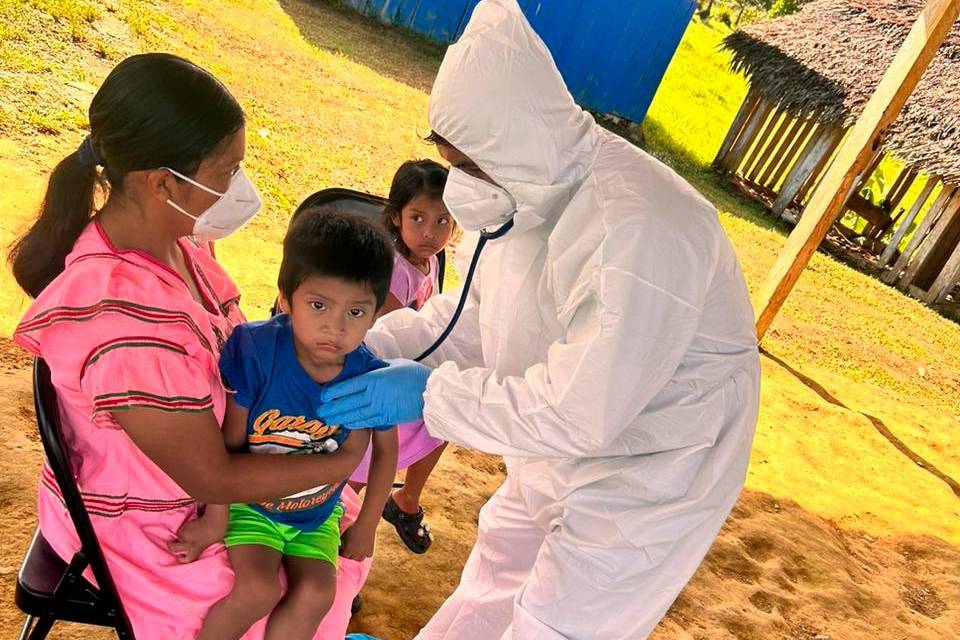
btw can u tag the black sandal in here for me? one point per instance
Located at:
(413, 531)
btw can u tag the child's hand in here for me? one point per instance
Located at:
(358, 541)
(196, 535)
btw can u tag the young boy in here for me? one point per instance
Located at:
(334, 278)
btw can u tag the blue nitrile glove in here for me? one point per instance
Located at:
(359, 636)
(384, 396)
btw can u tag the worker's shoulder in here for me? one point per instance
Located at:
(639, 196)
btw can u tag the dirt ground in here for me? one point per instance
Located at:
(777, 570)
(849, 527)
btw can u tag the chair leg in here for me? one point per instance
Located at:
(40, 631)
(26, 627)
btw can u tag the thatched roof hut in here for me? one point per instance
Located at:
(811, 74)
(826, 60)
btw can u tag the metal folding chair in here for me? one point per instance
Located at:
(49, 589)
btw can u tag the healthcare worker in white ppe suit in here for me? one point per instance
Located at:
(606, 351)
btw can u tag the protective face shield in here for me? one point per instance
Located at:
(476, 204)
(235, 207)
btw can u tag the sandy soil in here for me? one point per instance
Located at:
(778, 569)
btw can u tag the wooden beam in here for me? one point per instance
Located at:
(899, 191)
(904, 227)
(816, 174)
(918, 49)
(819, 145)
(933, 234)
(792, 141)
(862, 178)
(746, 110)
(865, 210)
(933, 215)
(732, 162)
(942, 242)
(776, 140)
(765, 134)
(892, 189)
(948, 278)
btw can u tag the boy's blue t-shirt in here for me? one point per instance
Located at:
(259, 363)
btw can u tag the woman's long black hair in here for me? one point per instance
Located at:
(153, 110)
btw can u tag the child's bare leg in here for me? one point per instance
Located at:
(256, 591)
(311, 587)
(408, 496)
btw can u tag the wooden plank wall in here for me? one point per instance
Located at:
(765, 143)
(783, 158)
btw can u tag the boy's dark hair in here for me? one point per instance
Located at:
(412, 179)
(323, 242)
(153, 110)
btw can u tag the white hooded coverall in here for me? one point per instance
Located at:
(606, 351)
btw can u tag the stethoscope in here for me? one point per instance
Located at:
(484, 237)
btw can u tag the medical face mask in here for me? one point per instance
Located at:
(234, 208)
(476, 204)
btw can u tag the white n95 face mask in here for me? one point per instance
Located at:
(476, 204)
(234, 208)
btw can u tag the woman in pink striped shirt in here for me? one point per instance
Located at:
(130, 312)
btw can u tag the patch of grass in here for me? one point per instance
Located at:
(57, 121)
(75, 12)
(697, 100)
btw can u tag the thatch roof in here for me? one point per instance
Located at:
(826, 60)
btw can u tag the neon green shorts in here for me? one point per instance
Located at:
(246, 525)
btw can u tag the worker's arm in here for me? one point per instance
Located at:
(406, 333)
(622, 343)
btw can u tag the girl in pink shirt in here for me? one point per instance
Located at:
(421, 227)
(131, 312)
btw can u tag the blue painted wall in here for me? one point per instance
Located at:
(612, 53)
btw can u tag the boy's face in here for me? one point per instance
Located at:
(330, 318)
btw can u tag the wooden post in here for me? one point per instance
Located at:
(750, 159)
(746, 110)
(947, 279)
(933, 215)
(894, 202)
(819, 145)
(900, 188)
(930, 242)
(928, 32)
(815, 175)
(911, 216)
(792, 141)
(875, 161)
(861, 179)
(732, 162)
(775, 142)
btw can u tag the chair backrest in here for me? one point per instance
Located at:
(358, 203)
(58, 459)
